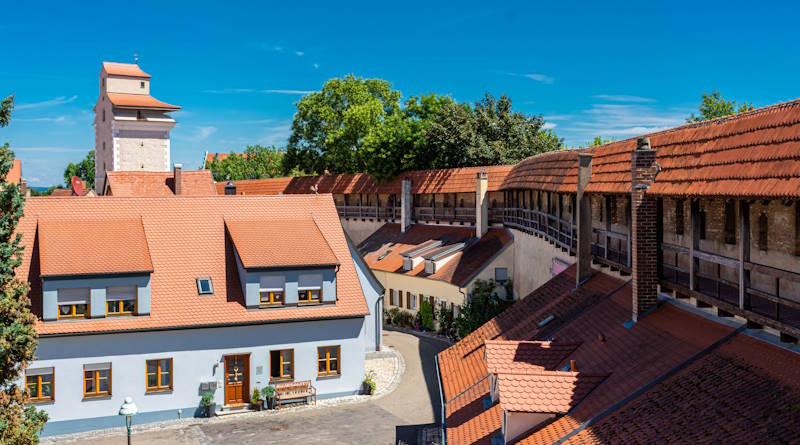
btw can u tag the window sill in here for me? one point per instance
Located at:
(270, 305)
(41, 401)
(96, 397)
(158, 391)
(328, 376)
(309, 303)
(281, 380)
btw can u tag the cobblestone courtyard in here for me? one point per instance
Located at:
(384, 420)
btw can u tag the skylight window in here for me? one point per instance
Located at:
(204, 286)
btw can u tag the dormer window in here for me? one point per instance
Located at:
(271, 290)
(204, 286)
(309, 288)
(120, 300)
(73, 303)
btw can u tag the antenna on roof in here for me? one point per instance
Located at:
(135, 58)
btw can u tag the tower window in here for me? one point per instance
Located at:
(141, 84)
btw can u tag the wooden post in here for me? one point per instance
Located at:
(630, 231)
(694, 224)
(608, 225)
(660, 236)
(744, 253)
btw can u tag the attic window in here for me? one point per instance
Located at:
(204, 286)
(141, 84)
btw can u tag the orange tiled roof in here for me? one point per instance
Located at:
(15, 173)
(61, 192)
(546, 391)
(525, 357)
(280, 243)
(124, 69)
(594, 316)
(92, 247)
(459, 270)
(125, 100)
(186, 239)
(745, 391)
(143, 183)
(265, 186)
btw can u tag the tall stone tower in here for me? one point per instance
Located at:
(131, 127)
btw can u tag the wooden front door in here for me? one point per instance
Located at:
(236, 379)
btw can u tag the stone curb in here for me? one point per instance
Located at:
(191, 422)
(425, 334)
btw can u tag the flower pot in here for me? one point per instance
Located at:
(258, 405)
(211, 410)
(270, 403)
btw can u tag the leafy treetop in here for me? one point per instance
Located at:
(715, 106)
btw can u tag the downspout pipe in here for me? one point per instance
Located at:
(378, 322)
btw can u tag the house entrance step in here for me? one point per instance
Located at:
(231, 410)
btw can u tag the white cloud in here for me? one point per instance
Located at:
(258, 121)
(623, 98)
(539, 78)
(619, 121)
(532, 76)
(299, 53)
(301, 92)
(60, 100)
(278, 49)
(277, 134)
(50, 150)
(199, 134)
(231, 91)
(57, 119)
(558, 117)
(316, 66)
(549, 126)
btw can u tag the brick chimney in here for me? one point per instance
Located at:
(644, 239)
(481, 203)
(177, 176)
(405, 206)
(584, 219)
(230, 188)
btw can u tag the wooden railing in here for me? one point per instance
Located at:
(462, 214)
(365, 211)
(712, 287)
(611, 249)
(558, 231)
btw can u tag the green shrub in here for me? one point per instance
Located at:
(426, 315)
(207, 398)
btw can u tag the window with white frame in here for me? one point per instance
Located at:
(204, 286)
(73, 303)
(120, 300)
(500, 274)
(271, 290)
(309, 288)
(413, 301)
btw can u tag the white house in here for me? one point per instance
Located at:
(162, 298)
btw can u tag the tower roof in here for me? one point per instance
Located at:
(124, 100)
(124, 69)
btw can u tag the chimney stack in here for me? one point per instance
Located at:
(405, 206)
(23, 188)
(644, 237)
(230, 188)
(573, 367)
(177, 177)
(583, 217)
(481, 203)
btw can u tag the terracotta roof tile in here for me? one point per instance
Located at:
(124, 69)
(280, 243)
(186, 239)
(92, 247)
(159, 184)
(459, 270)
(265, 186)
(521, 357)
(125, 100)
(545, 392)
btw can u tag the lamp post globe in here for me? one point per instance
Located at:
(128, 409)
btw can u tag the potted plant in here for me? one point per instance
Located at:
(256, 399)
(207, 400)
(269, 397)
(368, 386)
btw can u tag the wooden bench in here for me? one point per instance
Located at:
(295, 391)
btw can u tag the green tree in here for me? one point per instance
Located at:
(257, 162)
(330, 125)
(83, 169)
(19, 424)
(599, 140)
(483, 305)
(715, 106)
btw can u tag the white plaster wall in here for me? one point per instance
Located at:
(533, 261)
(504, 259)
(197, 356)
(128, 85)
(373, 324)
(142, 150)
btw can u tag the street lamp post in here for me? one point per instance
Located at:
(128, 409)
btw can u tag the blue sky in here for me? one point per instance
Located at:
(594, 68)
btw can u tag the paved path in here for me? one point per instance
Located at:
(397, 416)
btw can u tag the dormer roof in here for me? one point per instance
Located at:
(553, 392)
(264, 244)
(124, 69)
(74, 247)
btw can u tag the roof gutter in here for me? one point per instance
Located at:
(441, 400)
